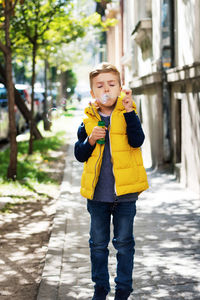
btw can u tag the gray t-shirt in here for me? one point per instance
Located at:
(105, 191)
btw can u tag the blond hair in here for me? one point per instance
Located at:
(104, 67)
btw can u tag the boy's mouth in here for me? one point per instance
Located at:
(104, 98)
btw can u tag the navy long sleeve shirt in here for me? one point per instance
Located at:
(83, 151)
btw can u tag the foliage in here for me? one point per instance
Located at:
(57, 24)
(31, 21)
(69, 82)
(19, 70)
(65, 32)
(103, 1)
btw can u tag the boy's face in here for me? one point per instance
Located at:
(106, 84)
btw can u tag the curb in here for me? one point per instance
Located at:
(48, 288)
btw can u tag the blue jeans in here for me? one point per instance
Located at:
(123, 214)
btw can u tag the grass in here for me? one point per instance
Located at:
(29, 165)
(69, 111)
(35, 173)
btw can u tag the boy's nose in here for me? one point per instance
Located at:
(106, 88)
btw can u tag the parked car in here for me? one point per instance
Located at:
(20, 121)
(4, 121)
(39, 101)
(24, 92)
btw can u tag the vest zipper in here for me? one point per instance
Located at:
(95, 169)
(95, 173)
(115, 195)
(98, 117)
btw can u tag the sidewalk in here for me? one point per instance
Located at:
(167, 241)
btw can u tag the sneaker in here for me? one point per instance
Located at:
(121, 294)
(100, 293)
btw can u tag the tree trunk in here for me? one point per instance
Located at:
(21, 105)
(30, 151)
(12, 168)
(47, 124)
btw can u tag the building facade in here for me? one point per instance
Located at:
(158, 51)
(114, 35)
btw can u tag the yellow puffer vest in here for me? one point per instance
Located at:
(130, 175)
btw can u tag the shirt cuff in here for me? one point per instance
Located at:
(87, 144)
(130, 116)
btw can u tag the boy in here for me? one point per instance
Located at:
(112, 178)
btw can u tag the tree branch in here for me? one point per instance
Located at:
(14, 4)
(3, 48)
(27, 28)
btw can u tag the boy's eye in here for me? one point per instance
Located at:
(99, 86)
(112, 85)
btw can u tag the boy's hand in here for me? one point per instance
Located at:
(97, 133)
(127, 101)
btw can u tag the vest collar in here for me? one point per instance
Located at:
(93, 109)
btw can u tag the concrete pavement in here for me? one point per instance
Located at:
(167, 241)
